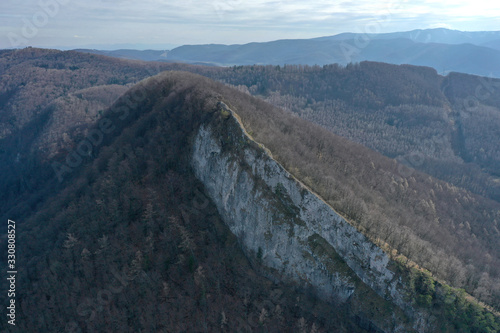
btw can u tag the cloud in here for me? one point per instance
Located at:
(238, 21)
(440, 25)
(82, 37)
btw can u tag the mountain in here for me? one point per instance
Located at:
(48, 97)
(445, 50)
(29, 77)
(186, 198)
(466, 58)
(148, 267)
(146, 55)
(111, 261)
(438, 35)
(159, 256)
(495, 44)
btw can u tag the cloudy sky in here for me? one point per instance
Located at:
(162, 23)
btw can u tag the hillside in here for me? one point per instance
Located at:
(129, 241)
(443, 49)
(48, 97)
(349, 177)
(437, 35)
(135, 187)
(117, 185)
(446, 126)
(146, 55)
(29, 75)
(444, 57)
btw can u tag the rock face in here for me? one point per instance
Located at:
(284, 224)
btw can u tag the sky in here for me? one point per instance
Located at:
(163, 24)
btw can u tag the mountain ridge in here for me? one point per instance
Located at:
(154, 136)
(443, 49)
(354, 180)
(436, 35)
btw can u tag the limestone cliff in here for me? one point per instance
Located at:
(291, 229)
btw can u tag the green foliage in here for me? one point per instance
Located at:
(425, 284)
(456, 313)
(147, 263)
(259, 255)
(225, 114)
(424, 300)
(191, 263)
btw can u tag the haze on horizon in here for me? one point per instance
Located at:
(68, 24)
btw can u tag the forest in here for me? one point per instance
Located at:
(129, 242)
(431, 202)
(447, 127)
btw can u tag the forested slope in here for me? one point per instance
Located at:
(128, 242)
(451, 230)
(445, 126)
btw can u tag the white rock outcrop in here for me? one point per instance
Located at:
(279, 219)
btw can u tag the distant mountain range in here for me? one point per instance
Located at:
(445, 50)
(439, 35)
(146, 55)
